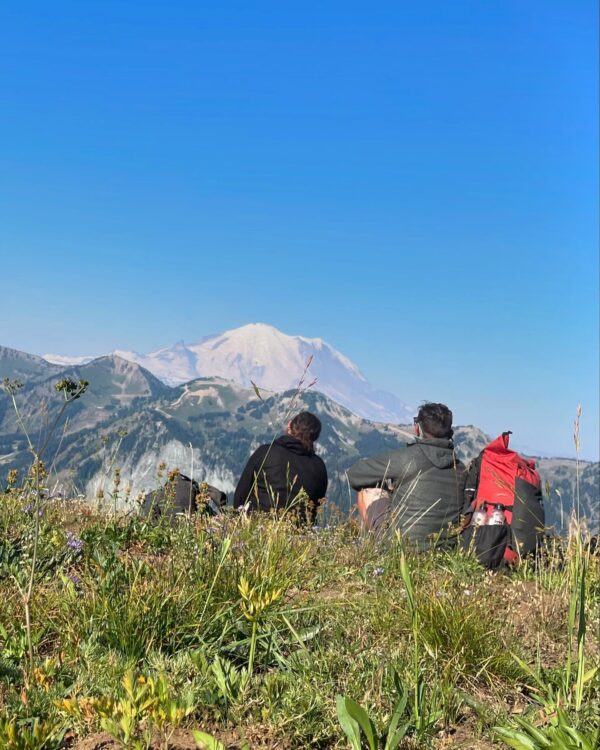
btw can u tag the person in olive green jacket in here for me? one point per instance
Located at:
(427, 484)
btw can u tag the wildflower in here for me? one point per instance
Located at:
(378, 571)
(467, 592)
(74, 542)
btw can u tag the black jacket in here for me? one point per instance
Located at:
(275, 474)
(428, 488)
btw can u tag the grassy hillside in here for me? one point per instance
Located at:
(248, 629)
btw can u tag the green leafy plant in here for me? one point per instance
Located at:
(229, 680)
(127, 719)
(207, 741)
(167, 713)
(408, 718)
(147, 705)
(29, 734)
(561, 735)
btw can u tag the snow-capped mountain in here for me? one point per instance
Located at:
(261, 354)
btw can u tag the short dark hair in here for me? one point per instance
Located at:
(435, 420)
(306, 428)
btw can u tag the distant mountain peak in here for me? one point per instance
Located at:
(276, 361)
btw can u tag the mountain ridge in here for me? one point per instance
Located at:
(261, 354)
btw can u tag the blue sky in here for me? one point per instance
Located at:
(416, 183)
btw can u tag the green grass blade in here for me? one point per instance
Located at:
(359, 714)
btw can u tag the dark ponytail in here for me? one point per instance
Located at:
(306, 428)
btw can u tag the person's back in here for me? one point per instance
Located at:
(287, 473)
(427, 481)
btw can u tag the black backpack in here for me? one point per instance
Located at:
(183, 495)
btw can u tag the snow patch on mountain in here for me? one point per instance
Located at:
(58, 359)
(174, 365)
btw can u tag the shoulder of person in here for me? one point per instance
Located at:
(263, 450)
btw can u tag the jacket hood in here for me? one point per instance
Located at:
(440, 451)
(293, 445)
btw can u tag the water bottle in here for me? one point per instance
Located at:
(497, 517)
(479, 516)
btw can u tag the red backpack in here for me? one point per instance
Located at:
(505, 488)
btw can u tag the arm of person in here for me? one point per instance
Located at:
(246, 487)
(369, 472)
(320, 494)
(323, 483)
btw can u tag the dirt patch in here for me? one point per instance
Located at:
(254, 738)
(99, 741)
(181, 740)
(464, 739)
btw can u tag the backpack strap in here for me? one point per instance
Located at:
(471, 484)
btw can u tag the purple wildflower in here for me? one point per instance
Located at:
(74, 542)
(378, 571)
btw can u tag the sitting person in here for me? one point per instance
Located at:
(427, 483)
(287, 473)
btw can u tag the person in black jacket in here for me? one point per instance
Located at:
(286, 473)
(427, 483)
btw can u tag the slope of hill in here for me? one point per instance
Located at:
(19, 365)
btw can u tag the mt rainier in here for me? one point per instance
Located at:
(261, 354)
